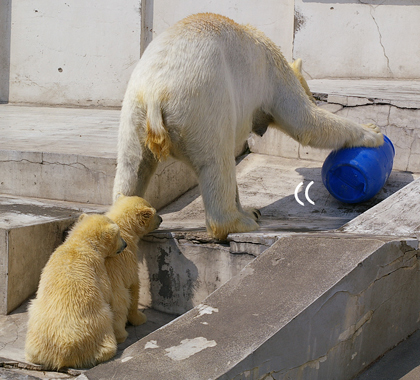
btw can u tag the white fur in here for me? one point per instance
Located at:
(202, 83)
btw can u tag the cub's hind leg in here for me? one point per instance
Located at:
(135, 317)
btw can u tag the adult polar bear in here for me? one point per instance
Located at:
(197, 92)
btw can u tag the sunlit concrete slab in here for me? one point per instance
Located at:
(70, 154)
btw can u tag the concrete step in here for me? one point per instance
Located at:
(70, 154)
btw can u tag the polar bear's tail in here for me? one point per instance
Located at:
(157, 136)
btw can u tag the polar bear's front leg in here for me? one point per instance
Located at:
(219, 191)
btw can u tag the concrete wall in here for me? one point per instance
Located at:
(73, 52)
(82, 53)
(358, 39)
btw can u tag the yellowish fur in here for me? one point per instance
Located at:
(297, 70)
(70, 320)
(135, 217)
(199, 90)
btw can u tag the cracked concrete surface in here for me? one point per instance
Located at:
(358, 39)
(372, 10)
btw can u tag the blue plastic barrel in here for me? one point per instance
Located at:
(354, 175)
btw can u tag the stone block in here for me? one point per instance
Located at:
(41, 156)
(30, 230)
(24, 252)
(395, 216)
(78, 178)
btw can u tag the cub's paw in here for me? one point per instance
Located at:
(137, 318)
(121, 335)
(372, 136)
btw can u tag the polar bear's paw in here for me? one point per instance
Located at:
(241, 223)
(372, 136)
(254, 213)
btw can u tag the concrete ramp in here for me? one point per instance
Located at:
(313, 306)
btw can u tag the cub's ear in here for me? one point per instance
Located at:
(114, 228)
(82, 216)
(119, 195)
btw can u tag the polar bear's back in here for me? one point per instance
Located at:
(208, 50)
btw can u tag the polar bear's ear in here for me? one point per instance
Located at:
(82, 216)
(297, 65)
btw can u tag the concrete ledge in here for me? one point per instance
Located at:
(319, 306)
(179, 270)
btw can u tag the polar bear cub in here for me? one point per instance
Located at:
(198, 91)
(70, 320)
(136, 218)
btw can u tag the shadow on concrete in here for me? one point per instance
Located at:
(403, 362)
(327, 212)
(172, 276)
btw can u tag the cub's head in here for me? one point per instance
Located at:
(134, 215)
(100, 232)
